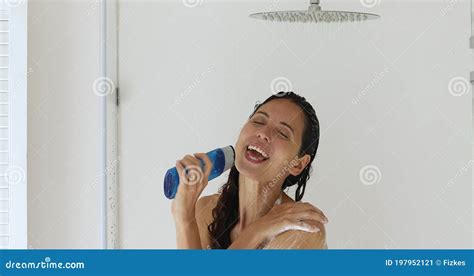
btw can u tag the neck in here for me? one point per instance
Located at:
(255, 199)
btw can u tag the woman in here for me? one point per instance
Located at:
(275, 149)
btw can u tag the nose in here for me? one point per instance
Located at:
(262, 133)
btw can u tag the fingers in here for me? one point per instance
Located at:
(291, 223)
(179, 168)
(307, 209)
(304, 226)
(191, 160)
(311, 215)
(186, 161)
(314, 208)
(190, 168)
(317, 213)
(207, 163)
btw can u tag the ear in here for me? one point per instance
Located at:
(299, 164)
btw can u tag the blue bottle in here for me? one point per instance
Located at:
(222, 159)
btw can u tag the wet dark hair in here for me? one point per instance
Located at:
(226, 213)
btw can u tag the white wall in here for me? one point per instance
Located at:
(189, 77)
(63, 124)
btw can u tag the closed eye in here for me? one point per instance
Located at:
(283, 134)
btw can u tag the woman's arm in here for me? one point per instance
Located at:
(204, 208)
(187, 233)
(184, 204)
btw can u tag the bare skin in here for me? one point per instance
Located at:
(277, 130)
(291, 239)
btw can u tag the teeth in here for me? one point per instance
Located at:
(255, 148)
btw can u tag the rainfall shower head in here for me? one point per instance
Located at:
(314, 14)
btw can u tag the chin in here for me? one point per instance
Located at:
(249, 170)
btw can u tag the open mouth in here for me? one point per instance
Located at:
(255, 154)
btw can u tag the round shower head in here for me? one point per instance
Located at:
(314, 14)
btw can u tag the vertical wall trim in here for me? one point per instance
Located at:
(112, 134)
(103, 129)
(109, 145)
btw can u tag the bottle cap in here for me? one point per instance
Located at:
(229, 155)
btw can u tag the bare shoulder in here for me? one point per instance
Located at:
(204, 207)
(207, 201)
(295, 239)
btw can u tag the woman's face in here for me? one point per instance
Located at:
(269, 142)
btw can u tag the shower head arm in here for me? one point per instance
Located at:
(314, 5)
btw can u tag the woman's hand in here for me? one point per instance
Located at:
(292, 216)
(192, 181)
(281, 218)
